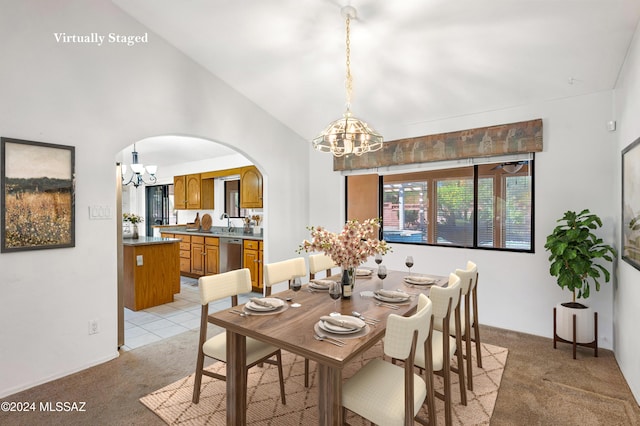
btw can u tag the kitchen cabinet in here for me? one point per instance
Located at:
(185, 251)
(211, 255)
(197, 255)
(192, 192)
(252, 254)
(250, 188)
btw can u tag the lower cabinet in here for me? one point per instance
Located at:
(252, 260)
(198, 255)
(211, 255)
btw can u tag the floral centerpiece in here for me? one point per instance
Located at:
(350, 247)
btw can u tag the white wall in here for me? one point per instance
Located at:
(627, 295)
(100, 100)
(575, 171)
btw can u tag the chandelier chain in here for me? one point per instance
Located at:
(349, 81)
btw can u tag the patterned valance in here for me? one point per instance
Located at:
(515, 138)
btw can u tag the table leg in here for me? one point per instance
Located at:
(236, 379)
(329, 395)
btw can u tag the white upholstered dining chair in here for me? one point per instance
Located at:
(285, 270)
(320, 262)
(278, 272)
(468, 279)
(216, 287)
(388, 394)
(445, 303)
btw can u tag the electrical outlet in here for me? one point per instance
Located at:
(139, 260)
(93, 326)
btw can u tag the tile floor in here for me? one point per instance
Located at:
(183, 314)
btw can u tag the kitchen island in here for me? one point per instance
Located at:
(151, 271)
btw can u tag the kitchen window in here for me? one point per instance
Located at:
(488, 206)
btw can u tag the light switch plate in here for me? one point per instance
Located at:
(139, 260)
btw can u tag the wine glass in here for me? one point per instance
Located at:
(409, 262)
(378, 258)
(335, 291)
(296, 285)
(382, 272)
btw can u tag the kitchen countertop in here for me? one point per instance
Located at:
(145, 241)
(214, 232)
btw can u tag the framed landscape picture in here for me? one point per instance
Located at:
(38, 208)
(631, 204)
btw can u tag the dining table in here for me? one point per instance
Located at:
(292, 330)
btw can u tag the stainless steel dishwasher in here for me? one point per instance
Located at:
(230, 254)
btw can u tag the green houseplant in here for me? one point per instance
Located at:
(576, 261)
(575, 252)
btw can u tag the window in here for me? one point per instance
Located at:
(482, 206)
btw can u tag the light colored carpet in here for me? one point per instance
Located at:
(173, 402)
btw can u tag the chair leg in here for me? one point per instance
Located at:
(446, 376)
(467, 339)
(463, 387)
(476, 331)
(281, 377)
(306, 373)
(198, 379)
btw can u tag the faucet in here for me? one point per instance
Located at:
(225, 215)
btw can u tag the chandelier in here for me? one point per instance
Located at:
(348, 135)
(137, 171)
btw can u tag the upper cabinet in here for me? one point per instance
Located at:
(192, 192)
(250, 188)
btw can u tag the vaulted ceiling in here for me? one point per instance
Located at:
(413, 61)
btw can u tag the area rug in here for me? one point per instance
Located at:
(173, 402)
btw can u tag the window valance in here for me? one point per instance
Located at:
(514, 138)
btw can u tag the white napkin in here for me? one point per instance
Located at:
(344, 322)
(419, 279)
(322, 283)
(391, 294)
(264, 302)
(363, 272)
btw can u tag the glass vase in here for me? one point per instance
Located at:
(135, 231)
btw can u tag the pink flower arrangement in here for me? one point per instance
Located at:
(349, 248)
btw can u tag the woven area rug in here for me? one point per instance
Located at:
(173, 403)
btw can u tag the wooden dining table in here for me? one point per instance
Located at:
(292, 330)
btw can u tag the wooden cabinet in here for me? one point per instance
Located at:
(185, 251)
(211, 255)
(197, 255)
(250, 188)
(252, 260)
(192, 192)
(180, 192)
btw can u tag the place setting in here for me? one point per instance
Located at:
(262, 306)
(338, 327)
(320, 284)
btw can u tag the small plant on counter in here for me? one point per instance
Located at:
(131, 218)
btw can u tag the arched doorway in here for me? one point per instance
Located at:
(173, 156)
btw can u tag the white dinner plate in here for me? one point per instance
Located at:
(427, 281)
(363, 272)
(277, 304)
(390, 299)
(341, 330)
(318, 286)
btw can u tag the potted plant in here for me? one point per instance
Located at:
(576, 260)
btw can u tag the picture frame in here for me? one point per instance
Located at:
(37, 180)
(630, 232)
